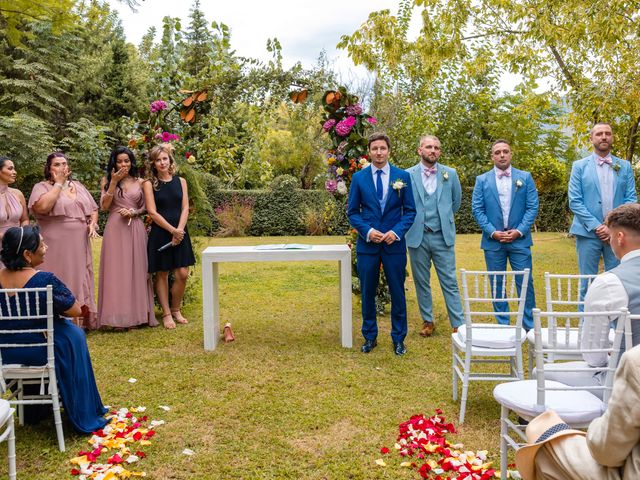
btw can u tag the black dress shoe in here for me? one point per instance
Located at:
(368, 346)
(399, 348)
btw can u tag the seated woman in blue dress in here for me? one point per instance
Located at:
(23, 249)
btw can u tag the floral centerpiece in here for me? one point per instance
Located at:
(347, 124)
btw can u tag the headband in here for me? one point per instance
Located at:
(20, 244)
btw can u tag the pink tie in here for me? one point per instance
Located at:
(504, 173)
(606, 160)
(430, 171)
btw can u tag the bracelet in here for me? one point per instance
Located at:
(59, 185)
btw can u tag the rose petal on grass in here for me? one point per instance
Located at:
(188, 451)
(381, 462)
(164, 407)
(132, 380)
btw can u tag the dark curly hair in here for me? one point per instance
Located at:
(15, 242)
(133, 171)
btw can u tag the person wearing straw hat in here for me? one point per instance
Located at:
(610, 449)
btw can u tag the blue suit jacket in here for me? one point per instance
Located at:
(364, 210)
(487, 212)
(585, 198)
(448, 193)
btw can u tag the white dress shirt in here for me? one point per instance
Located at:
(605, 179)
(385, 178)
(606, 293)
(429, 183)
(504, 194)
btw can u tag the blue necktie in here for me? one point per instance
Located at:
(379, 190)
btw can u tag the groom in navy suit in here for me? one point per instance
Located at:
(381, 209)
(505, 205)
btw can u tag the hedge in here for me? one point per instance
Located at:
(281, 209)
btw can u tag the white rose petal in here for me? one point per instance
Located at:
(132, 380)
(188, 451)
(164, 407)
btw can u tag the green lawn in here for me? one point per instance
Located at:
(285, 400)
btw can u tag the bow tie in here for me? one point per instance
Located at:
(430, 171)
(602, 161)
(504, 173)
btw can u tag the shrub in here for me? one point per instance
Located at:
(235, 217)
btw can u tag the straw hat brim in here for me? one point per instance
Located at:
(525, 456)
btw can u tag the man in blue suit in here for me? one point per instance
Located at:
(437, 195)
(505, 205)
(598, 184)
(381, 209)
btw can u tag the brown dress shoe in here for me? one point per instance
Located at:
(455, 329)
(427, 329)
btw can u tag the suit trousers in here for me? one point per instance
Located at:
(369, 273)
(519, 259)
(590, 250)
(434, 249)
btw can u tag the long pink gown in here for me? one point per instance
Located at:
(125, 295)
(64, 230)
(10, 211)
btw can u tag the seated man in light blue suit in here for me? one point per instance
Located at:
(598, 184)
(505, 205)
(437, 194)
(381, 209)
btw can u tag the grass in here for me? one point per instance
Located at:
(285, 400)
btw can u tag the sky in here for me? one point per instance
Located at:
(304, 28)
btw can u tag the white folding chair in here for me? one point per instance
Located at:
(562, 293)
(30, 320)
(8, 435)
(577, 406)
(488, 343)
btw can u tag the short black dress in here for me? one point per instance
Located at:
(168, 199)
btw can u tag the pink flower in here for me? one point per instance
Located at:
(331, 186)
(157, 106)
(343, 128)
(353, 109)
(167, 137)
(328, 125)
(372, 120)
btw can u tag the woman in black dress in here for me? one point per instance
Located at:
(169, 247)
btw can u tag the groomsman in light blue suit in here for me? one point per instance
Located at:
(381, 209)
(505, 205)
(598, 184)
(437, 195)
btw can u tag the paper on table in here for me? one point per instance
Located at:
(284, 246)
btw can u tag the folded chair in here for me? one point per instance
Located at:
(13, 378)
(481, 340)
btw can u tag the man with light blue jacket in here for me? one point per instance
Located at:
(505, 205)
(598, 184)
(437, 194)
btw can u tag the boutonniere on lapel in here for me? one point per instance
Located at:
(445, 175)
(518, 183)
(616, 167)
(398, 185)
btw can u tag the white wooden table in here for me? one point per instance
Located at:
(212, 256)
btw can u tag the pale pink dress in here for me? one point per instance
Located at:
(68, 257)
(10, 211)
(125, 295)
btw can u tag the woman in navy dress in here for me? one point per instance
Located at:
(169, 246)
(23, 249)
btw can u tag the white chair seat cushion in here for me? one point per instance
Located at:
(24, 371)
(575, 407)
(491, 337)
(5, 409)
(561, 337)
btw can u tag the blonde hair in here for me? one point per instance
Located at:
(154, 154)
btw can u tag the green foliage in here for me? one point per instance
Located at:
(27, 140)
(88, 148)
(14, 13)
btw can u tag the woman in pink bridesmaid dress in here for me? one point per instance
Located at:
(68, 219)
(125, 295)
(13, 208)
